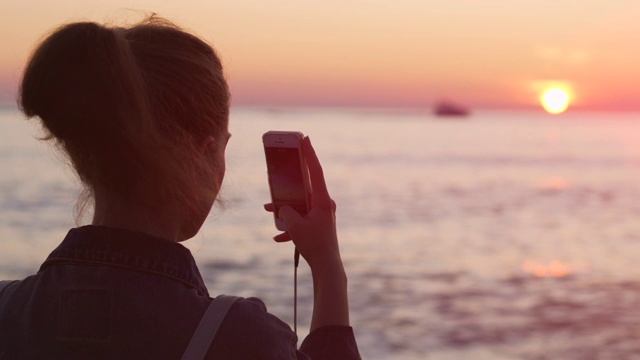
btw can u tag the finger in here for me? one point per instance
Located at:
(284, 237)
(269, 207)
(289, 215)
(320, 196)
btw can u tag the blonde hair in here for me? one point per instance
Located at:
(128, 106)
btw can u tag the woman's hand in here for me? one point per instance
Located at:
(316, 238)
(314, 235)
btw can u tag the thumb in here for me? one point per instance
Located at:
(289, 215)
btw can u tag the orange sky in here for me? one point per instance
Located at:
(489, 53)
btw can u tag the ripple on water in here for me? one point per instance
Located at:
(517, 318)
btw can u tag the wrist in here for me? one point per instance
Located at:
(330, 269)
(330, 300)
(325, 259)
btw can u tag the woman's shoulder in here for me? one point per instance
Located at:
(252, 304)
(253, 312)
(249, 327)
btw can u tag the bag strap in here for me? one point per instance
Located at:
(4, 284)
(208, 327)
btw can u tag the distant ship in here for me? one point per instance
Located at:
(449, 109)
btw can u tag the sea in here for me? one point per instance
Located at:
(502, 235)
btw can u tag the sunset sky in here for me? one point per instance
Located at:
(481, 53)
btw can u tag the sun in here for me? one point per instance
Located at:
(555, 100)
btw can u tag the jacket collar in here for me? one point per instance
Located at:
(125, 248)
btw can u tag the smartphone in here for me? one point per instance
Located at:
(287, 173)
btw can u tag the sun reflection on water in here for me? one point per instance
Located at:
(551, 269)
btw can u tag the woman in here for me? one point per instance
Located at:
(142, 114)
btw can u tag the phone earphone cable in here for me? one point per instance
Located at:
(296, 261)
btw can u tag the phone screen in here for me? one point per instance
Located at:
(285, 177)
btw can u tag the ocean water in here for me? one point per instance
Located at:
(507, 235)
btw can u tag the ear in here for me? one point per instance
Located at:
(206, 144)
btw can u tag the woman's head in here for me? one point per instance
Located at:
(131, 107)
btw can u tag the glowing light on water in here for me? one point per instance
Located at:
(553, 268)
(555, 184)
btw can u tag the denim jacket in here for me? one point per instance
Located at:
(108, 293)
